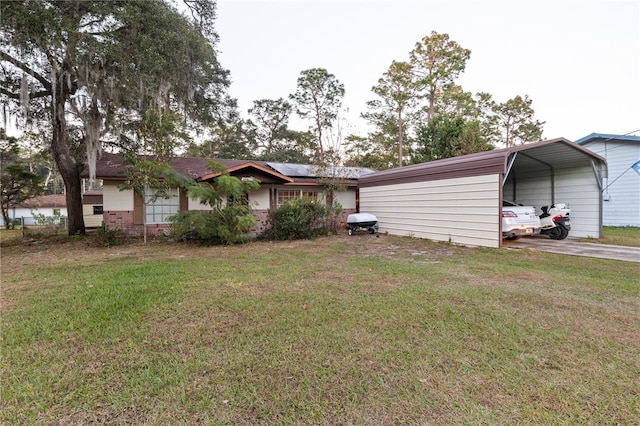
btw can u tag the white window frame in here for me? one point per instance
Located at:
(158, 211)
(297, 193)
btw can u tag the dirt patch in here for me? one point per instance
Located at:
(38, 253)
(396, 247)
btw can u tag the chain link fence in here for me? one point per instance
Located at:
(41, 225)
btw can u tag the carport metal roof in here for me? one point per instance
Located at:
(553, 154)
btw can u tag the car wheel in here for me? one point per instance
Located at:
(372, 231)
(351, 231)
(512, 237)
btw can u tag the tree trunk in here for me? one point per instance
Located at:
(70, 172)
(400, 137)
(5, 217)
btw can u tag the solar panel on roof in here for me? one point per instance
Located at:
(309, 170)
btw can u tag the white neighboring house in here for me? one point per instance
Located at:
(621, 189)
(46, 205)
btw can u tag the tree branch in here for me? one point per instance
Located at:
(24, 67)
(8, 93)
(34, 95)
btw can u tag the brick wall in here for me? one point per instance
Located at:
(123, 221)
(262, 217)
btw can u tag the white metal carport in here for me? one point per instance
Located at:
(460, 199)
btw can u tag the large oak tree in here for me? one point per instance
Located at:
(81, 68)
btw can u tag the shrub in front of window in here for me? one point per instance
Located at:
(230, 219)
(227, 225)
(297, 218)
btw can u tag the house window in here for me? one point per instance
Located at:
(158, 210)
(285, 195)
(97, 210)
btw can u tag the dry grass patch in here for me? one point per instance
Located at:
(341, 330)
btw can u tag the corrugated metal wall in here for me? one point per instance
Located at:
(461, 210)
(576, 186)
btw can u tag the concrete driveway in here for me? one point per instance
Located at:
(573, 247)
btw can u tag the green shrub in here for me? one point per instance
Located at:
(106, 237)
(228, 225)
(297, 218)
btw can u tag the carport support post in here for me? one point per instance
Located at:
(509, 166)
(601, 187)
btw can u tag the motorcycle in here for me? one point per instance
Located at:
(555, 221)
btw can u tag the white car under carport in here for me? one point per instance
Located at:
(519, 221)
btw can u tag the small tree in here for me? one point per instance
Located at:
(17, 183)
(230, 218)
(151, 176)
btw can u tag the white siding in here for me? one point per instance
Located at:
(621, 205)
(115, 200)
(461, 210)
(259, 200)
(347, 199)
(197, 205)
(91, 220)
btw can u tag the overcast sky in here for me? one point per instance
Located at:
(578, 60)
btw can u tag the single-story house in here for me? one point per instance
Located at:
(279, 182)
(621, 192)
(44, 205)
(460, 199)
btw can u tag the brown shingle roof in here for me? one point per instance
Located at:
(111, 166)
(42, 201)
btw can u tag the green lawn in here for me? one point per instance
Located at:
(618, 235)
(341, 330)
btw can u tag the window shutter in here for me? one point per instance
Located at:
(184, 201)
(138, 209)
